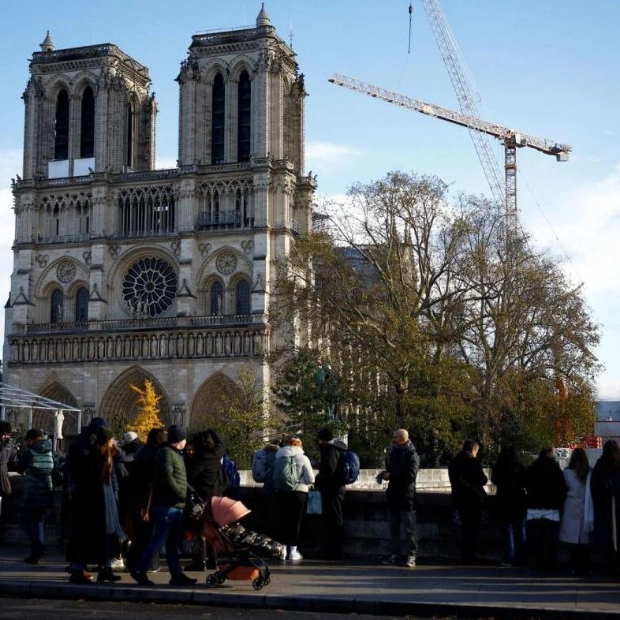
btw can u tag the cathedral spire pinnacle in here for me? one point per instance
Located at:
(48, 44)
(263, 18)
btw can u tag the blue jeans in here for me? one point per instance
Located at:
(32, 522)
(513, 541)
(168, 530)
(408, 517)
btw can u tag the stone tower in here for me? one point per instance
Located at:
(124, 273)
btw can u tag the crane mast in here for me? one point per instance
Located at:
(511, 139)
(466, 94)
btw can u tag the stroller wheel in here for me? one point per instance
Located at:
(258, 583)
(267, 580)
(212, 581)
(221, 578)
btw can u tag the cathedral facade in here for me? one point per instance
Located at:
(123, 272)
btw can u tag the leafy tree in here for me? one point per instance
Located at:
(435, 318)
(148, 410)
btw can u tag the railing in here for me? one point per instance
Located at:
(155, 323)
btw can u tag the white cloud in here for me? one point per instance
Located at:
(327, 154)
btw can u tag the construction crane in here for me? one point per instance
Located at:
(511, 139)
(467, 95)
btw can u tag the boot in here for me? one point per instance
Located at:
(106, 574)
(80, 577)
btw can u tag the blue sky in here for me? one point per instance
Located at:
(546, 68)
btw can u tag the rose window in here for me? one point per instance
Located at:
(149, 287)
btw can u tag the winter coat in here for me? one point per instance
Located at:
(8, 462)
(545, 485)
(605, 489)
(169, 478)
(467, 481)
(326, 480)
(403, 464)
(510, 499)
(205, 472)
(306, 477)
(37, 463)
(572, 528)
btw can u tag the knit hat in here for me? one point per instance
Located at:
(325, 434)
(176, 434)
(130, 436)
(104, 434)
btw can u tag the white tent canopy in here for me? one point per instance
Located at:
(16, 398)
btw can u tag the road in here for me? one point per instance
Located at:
(26, 609)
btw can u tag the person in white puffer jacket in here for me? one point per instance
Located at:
(292, 476)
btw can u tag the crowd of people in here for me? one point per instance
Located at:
(128, 500)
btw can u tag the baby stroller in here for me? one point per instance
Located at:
(217, 517)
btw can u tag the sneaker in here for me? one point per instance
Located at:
(391, 560)
(410, 562)
(295, 556)
(118, 564)
(80, 577)
(141, 579)
(182, 580)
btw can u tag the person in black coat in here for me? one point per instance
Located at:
(468, 496)
(207, 477)
(508, 476)
(546, 490)
(332, 493)
(605, 490)
(403, 464)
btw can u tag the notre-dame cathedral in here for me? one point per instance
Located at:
(124, 273)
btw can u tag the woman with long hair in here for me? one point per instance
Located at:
(605, 490)
(508, 476)
(572, 526)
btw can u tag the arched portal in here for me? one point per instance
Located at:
(119, 405)
(211, 401)
(44, 419)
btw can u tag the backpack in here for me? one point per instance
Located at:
(262, 464)
(348, 468)
(230, 467)
(286, 473)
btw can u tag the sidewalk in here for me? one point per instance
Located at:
(350, 587)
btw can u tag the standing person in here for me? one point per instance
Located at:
(8, 462)
(36, 463)
(546, 490)
(168, 502)
(141, 490)
(86, 501)
(605, 490)
(468, 496)
(207, 477)
(332, 493)
(572, 524)
(402, 466)
(262, 472)
(508, 476)
(291, 476)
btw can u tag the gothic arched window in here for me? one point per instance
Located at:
(57, 303)
(61, 126)
(218, 101)
(81, 305)
(244, 117)
(243, 297)
(216, 298)
(87, 124)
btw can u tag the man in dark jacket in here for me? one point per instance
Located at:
(8, 462)
(403, 464)
(468, 496)
(169, 496)
(332, 493)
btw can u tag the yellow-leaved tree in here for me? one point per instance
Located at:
(148, 413)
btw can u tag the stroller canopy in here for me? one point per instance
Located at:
(226, 510)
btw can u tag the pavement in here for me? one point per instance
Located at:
(350, 586)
